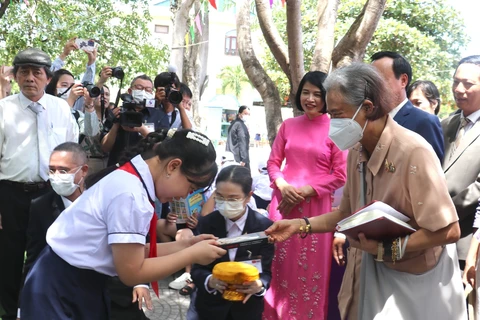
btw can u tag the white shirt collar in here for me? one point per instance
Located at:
(66, 202)
(144, 171)
(472, 117)
(394, 111)
(25, 102)
(240, 222)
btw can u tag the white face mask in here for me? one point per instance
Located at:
(245, 118)
(62, 94)
(64, 184)
(230, 209)
(140, 95)
(345, 133)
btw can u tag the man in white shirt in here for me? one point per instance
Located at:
(32, 123)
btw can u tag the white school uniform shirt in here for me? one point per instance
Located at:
(116, 209)
(261, 186)
(18, 134)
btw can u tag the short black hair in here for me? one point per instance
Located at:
(237, 174)
(51, 87)
(185, 90)
(166, 79)
(143, 77)
(242, 108)
(79, 154)
(316, 78)
(400, 64)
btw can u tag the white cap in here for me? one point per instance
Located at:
(262, 166)
(228, 156)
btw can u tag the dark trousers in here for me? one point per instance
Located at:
(121, 306)
(14, 208)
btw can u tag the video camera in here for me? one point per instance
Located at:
(93, 90)
(129, 116)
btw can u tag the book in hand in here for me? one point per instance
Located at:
(245, 240)
(184, 208)
(378, 221)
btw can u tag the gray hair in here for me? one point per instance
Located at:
(79, 154)
(358, 82)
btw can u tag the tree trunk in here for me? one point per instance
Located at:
(272, 36)
(4, 6)
(353, 45)
(180, 19)
(255, 72)
(295, 49)
(327, 17)
(195, 64)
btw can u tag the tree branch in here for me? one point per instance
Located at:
(353, 45)
(255, 72)
(295, 49)
(272, 36)
(327, 17)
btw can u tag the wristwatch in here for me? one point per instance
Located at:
(380, 251)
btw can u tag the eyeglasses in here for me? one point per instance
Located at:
(220, 199)
(63, 171)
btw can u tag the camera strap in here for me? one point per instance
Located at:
(173, 117)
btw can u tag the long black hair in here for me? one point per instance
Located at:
(51, 87)
(194, 149)
(239, 175)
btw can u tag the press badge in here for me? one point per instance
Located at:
(254, 261)
(150, 126)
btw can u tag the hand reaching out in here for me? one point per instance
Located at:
(283, 229)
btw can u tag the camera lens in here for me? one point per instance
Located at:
(175, 97)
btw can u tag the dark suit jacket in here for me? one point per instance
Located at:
(423, 123)
(462, 170)
(238, 141)
(44, 210)
(213, 306)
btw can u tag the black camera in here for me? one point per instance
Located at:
(129, 116)
(93, 90)
(173, 95)
(118, 73)
(169, 80)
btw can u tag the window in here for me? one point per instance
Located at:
(231, 43)
(161, 29)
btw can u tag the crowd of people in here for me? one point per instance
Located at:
(87, 188)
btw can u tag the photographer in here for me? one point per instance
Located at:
(89, 74)
(168, 96)
(117, 137)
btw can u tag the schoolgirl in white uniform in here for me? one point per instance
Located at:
(103, 233)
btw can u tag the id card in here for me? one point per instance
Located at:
(150, 126)
(254, 261)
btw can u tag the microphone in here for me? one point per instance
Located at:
(172, 68)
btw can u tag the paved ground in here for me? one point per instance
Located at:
(171, 305)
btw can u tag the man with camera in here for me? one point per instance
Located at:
(168, 98)
(126, 126)
(32, 123)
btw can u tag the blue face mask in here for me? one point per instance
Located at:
(345, 133)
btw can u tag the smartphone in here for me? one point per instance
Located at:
(86, 44)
